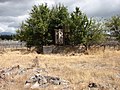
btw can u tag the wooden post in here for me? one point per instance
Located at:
(59, 36)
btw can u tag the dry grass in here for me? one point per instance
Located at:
(79, 70)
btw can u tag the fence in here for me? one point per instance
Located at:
(4, 44)
(11, 44)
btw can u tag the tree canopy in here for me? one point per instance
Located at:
(113, 25)
(38, 29)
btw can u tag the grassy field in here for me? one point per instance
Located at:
(80, 70)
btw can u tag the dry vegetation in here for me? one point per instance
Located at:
(100, 68)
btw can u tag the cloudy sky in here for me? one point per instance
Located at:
(13, 12)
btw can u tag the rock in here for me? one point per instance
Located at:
(35, 86)
(92, 85)
(38, 81)
(12, 74)
(27, 85)
(55, 80)
(64, 82)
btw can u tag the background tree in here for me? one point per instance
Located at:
(59, 19)
(35, 29)
(39, 28)
(113, 25)
(7, 37)
(94, 34)
(85, 31)
(76, 24)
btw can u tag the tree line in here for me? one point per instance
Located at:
(38, 29)
(7, 37)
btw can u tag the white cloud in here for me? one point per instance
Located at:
(1, 29)
(49, 2)
(13, 12)
(98, 8)
(22, 18)
(5, 28)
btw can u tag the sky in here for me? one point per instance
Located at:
(13, 12)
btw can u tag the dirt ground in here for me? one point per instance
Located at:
(96, 71)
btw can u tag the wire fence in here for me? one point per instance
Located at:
(15, 45)
(11, 44)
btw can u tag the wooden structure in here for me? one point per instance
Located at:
(59, 37)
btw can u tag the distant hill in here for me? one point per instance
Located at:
(6, 33)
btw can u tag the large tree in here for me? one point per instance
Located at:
(35, 29)
(39, 28)
(59, 19)
(76, 23)
(94, 34)
(84, 30)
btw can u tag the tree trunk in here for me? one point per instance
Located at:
(39, 49)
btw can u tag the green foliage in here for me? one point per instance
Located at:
(59, 17)
(7, 37)
(85, 31)
(113, 25)
(94, 34)
(35, 29)
(78, 26)
(39, 28)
